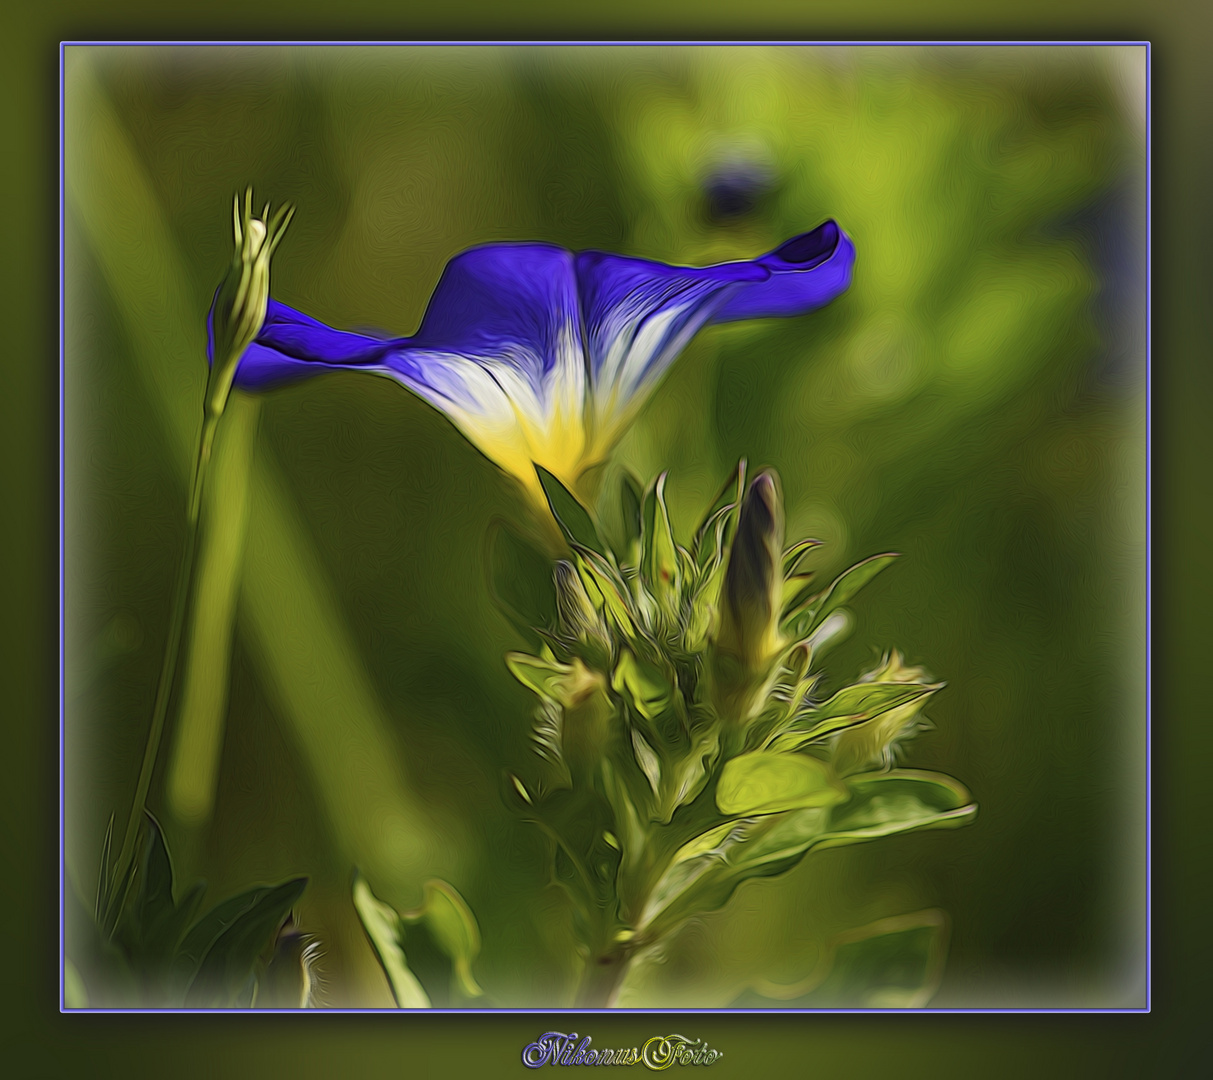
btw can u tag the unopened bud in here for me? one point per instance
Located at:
(238, 311)
(753, 580)
(747, 638)
(576, 612)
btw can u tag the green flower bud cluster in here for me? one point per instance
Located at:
(689, 742)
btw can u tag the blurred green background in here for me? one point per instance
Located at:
(976, 401)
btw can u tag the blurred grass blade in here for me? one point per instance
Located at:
(198, 739)
(299, 634)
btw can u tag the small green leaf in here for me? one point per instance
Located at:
(597, 571)
(902, 800)
(383, 930)
(659, 558)
(797, 590)
(450, 922)
(103, 877)
(542, 676)
(714, 532)
(150, 907)
(155, 896)
(764, 783)
(852, 705)
(793, 555)
(228, 965)
(844, 588)
(573, 518)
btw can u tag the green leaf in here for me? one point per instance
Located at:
(223, 977)
(542, 676)
(597, 571)
(714, 532)
(449, 922)
(793, 555)
(797, 591)
(843, 589)
(706, 871)
(103, 878)
(642, 685)
(520, 580)
(902, 800)
(443, 940)
(150, 910)
(852, 705)
(764, 783)
(382, 927)
(659, 554)
(155, 896)
(573, 518)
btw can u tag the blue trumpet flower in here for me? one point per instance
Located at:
(542, 355)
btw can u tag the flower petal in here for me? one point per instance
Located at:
(525, 346)
(640, 315)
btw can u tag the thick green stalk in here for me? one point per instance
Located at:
(172, 648)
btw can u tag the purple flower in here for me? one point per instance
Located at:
(538, 354)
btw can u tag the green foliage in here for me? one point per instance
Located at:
(141, 946)
(443, 940)
(695, 785)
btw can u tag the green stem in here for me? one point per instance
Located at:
(604, 973)
(172, 649)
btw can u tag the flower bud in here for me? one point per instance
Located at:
(875, 744)
(238, 310)
(576, 612)
(753, 580)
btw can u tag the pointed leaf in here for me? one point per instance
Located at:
(797, 590)
(659, 559)
(103, 877)
(223, 976)
(382, 927)
(792, 557)
(573, 518)
(727, 500)
(596, 570)
(452, 926)
(852, 705)
(620, 509)
(902, 800)
(542, 676)
(844, 588)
